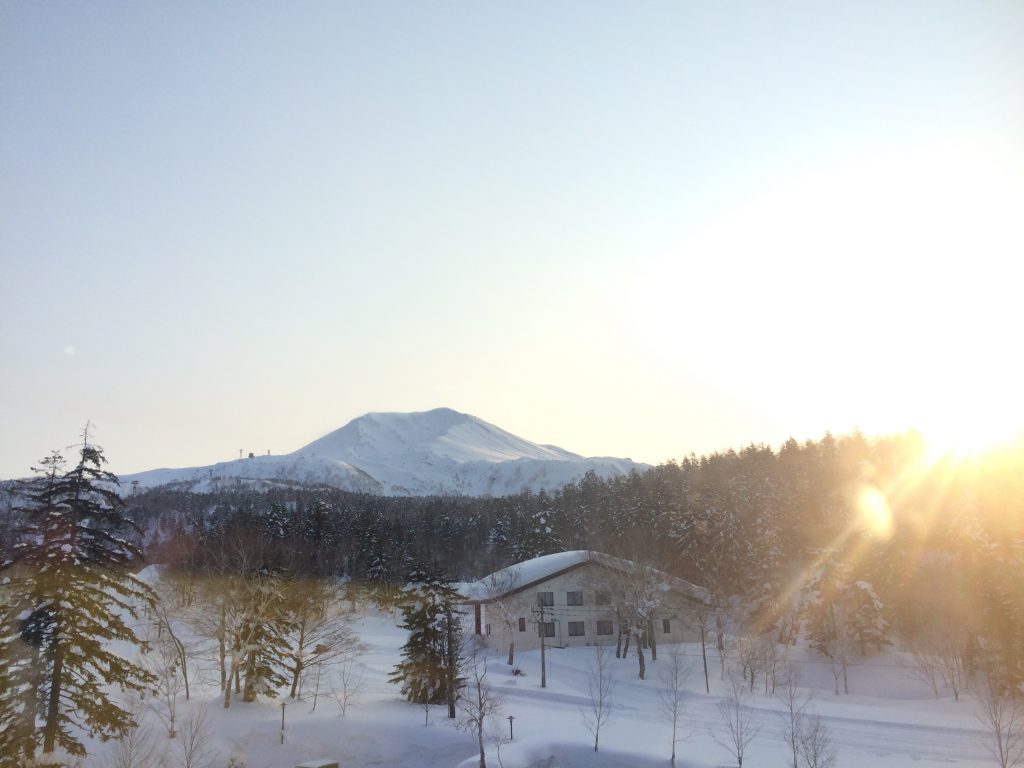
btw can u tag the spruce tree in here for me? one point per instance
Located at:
(428, 671)
(68, 592)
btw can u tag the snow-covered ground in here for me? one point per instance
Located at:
(887, 720)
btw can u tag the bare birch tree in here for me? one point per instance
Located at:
(135, 747)
(601, 685)
(176, 593)
(497, 586)
(348, 683)
(163, 660)
(478, 703)
(671, 692)
(816, 747)
(938, 654)
(637, 591)
(736, 718)
(794, 712)
(195, 746)
(1003, 719)
(319, 629)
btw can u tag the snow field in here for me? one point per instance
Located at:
(888, 720)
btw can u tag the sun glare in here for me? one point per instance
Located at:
(874, 512)
(968, 437)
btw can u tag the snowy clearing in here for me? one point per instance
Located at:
(888, 720)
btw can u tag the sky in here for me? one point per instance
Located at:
(629, 229)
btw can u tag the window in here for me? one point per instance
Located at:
(604, 627)
(548, 629)
(574, 598)
(666, 626)
(522, 624)
(576, 629)
(603, 598)
(545, 598)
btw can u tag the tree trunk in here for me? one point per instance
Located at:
(480, 739)
(316, 688)
(222, 653)
(179, 651)
(297, 670)
(720, 641)
(32, 706)
(249, 694)
(51, 726)
(227, 688)
(511, 648)
(654, 641)
(640, 657)
(296, 673)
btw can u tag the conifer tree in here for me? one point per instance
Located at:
(428, 671)
(68, 593)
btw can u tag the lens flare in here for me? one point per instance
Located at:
(874, 512)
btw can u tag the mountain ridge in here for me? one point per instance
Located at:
(437, 452)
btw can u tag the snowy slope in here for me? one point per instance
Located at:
(433, 452)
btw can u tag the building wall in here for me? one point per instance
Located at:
(590, 579)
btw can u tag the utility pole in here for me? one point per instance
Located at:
(451, 660)
(704, 653)
(542, 627)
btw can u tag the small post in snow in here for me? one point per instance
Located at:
(510, 719)
(283, 705)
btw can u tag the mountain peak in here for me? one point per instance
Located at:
(442, 432)
(440, 451)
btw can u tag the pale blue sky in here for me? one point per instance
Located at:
(636, 229)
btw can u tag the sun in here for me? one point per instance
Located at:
(969, 436)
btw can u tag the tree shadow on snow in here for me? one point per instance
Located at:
(578, 756)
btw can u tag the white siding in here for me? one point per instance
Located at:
(589, 579)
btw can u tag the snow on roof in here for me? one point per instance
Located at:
(520, 575)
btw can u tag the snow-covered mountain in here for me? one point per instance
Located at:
(405, 454)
